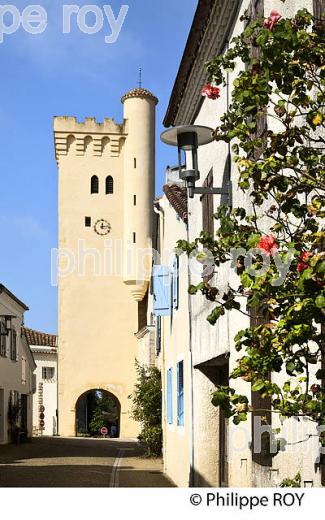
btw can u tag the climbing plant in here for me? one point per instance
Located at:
(276, 247)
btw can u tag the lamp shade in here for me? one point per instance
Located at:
(204, 134)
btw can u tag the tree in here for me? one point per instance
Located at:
(104, 412)
(281, 169)
(147, 407)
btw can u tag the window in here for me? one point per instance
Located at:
(48, 372)
(207, 220)
(158, 335)
(134, 238)
(13, 345)
(3, 339)
(23, 370)
(170, 396)
(134, 200)
(87, 221)
(180, 393)
(109, 185)
(175, 282)
(256, 10)
(319, 10)
(135, 162)
(94, 184)
(207, 206)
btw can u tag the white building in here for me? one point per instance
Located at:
(17, 383)
(170, 283)
(220, 453)
(44, 349)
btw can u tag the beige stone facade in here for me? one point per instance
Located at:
(106, 184)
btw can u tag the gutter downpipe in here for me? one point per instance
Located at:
(192, 449)
(160, 212)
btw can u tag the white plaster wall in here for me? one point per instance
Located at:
(175, 348)
(212, 341)
(50, 389)
(11, 371)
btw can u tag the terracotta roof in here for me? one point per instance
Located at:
(177, 197)
(139, 93)
(35, 337)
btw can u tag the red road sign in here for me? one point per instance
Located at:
(104, 430)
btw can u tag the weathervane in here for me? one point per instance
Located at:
(140, 78)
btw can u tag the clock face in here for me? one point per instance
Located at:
(102, 227)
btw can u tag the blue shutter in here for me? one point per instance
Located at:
(170, 396)
(161, 291)
(180, 393)
(175, 282)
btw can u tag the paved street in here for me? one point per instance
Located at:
(78, 462)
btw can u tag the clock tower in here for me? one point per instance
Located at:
(106, 190)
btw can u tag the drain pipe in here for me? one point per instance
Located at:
(192, 449)
(160, 212)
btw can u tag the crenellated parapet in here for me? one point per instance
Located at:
(88, 137)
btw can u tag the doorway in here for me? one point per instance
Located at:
(97, 409)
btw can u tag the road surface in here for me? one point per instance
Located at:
(79, 462)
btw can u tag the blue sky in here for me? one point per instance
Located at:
(73, 74)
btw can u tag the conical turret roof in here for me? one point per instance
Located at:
(139, 93)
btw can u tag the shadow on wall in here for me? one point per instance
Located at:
(198, 479)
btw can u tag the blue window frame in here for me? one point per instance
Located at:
(170, 396)
(176, 282)
(180, 393)
(161, 290)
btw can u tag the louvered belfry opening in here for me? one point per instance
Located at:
(94, 184)
(109, 185)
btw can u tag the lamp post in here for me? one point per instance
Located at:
(188, 139)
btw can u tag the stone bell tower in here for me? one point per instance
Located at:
(106, 189)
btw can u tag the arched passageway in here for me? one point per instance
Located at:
(96, 409)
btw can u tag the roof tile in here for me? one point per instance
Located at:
(35, 337)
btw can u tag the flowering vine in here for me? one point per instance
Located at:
(281, 168)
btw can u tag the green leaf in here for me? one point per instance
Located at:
(320, 301)
(258, 386)
(253, 240)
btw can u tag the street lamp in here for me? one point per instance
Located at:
(187, 139)
(7, 323)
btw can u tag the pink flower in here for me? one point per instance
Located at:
(268, 244)
(272, 20)
(211, 92)
(302, 261)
